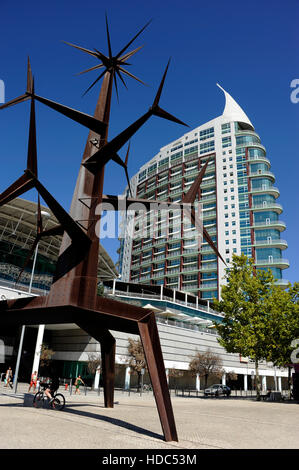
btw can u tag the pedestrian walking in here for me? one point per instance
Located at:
(8, 378)
(78, 382)
(33, 381)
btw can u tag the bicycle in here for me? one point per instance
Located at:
(147, 388)
(57, 402)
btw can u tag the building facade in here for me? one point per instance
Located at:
(238, 204)
(185, 322)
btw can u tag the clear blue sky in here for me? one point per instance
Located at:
(250, 48)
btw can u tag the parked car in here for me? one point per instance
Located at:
(217, 390)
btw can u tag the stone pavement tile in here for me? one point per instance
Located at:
(134, 424)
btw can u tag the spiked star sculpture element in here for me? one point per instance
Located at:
(73, 295)
(112, 64)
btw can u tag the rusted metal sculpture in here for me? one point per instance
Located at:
(73, 296)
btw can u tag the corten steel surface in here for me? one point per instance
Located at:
(73, 296)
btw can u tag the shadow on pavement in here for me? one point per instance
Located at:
(117, 422)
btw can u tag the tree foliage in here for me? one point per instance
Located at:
(46, 355)
(94, 363)
(205, 364)
(136, 360)
(259, 317)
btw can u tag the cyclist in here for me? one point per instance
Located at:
(52, 388)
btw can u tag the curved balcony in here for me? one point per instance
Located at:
(262, 173)
(270, 242)
(270, 190)
(278, 224)
(246, 132)
(273, 262)
(259, 159)
(273, 206)
(251, 144)
(282, 283)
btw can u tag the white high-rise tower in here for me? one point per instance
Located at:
(239, 208)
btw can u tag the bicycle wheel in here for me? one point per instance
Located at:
(58, 402)
(38, 400)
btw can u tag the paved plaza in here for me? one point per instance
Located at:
(133, 423)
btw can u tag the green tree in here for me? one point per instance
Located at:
(245, 304)
(283, 325)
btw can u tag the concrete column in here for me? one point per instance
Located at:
(127, 378)
(264, 383)
(224, 379)
(38, 345)
(113, 288)
(279, 384)
(97, 378)
(167, 376)
(186, 298)
(196, 300)
(245, 383)
(208, 303)
(197, 382)
(173, 295)
(161, 293)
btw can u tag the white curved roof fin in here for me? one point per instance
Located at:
(233, 111)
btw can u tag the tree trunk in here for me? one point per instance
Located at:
(258, 384)
(139, 381)
(206, 380)
(289, 382)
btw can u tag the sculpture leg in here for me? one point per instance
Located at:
(152, 348)
(108, 368)
(107, 342)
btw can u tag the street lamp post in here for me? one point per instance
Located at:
(15, 382)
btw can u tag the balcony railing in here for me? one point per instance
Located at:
(278, 242)
(208, 286)
(259, 158)
(269, 190)
(209, 267)
(272, 223)
(261, 173)
(267, 206)
(277, 262)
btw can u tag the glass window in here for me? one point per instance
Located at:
(225, 128)
(247, 139)
(207, 147)
(207, 133)
(226, 141)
